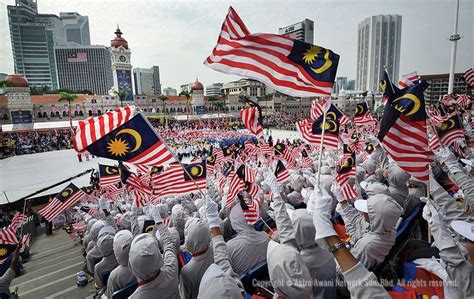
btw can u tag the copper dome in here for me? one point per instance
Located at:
(118, 40)
(17, 80)
(197, 86)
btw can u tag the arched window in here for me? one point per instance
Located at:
(90, 112)
(57, 113)
(52, 114)
(64, 113)
(76, 113)
(81, 113)
(99, 112)
(45, 115)
(40, 115)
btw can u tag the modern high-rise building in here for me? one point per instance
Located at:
(156, 80)
(169, 91)
(33, 37)
(303, 31)
(340, 83)
(76, 28)
(438, 86)
(214, 89)
(379, 39)
(147, 81)
(84, 68)
(143, 81)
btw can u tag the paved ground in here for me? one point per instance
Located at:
(50, 271)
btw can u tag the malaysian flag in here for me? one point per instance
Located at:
(250, 210)
(8, 235)
(290, 66)
(311, 129)
(108, 175)
(77, 57)
(6, 250)
(468, 77)
(62, 201)
(403, 131)
(306, 161)
(18, 220)
(409, 80)
(179, 181)
(450, 131)
(252, 118)
(134, 140)
(463, 100)
(210, 163)
(363, 115)
(25, 242)
(345, 170)
(236, 185)
(252, 189)
(133, 181)
(281, 173)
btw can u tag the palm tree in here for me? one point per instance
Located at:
(162, 98)
(69, 98)
(121, 95)
(187, 95)
(217, 102)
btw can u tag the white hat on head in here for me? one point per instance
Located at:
(464, 228)
(361, 205)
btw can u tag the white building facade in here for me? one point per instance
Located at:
(379, 40)
(302, 31)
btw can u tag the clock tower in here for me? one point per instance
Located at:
(121, 65)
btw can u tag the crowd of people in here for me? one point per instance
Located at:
(305, 252)
(21, 143)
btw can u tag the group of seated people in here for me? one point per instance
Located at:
(144, 246)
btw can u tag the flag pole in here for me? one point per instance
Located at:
(453, 38)
(388, 76)
(23, 222)
(321, 146)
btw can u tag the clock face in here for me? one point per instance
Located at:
(122, 58)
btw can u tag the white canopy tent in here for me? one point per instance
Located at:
(25, 174)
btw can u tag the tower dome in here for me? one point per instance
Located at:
(118, 40)
(17, 80)
(197, 85)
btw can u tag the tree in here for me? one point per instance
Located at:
(121, 95)
(187, 95)
(69, 98)
(6, 83)
(162, 98)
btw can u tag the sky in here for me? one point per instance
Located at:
(179, 35)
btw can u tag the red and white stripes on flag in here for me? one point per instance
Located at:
(452, 137)
(173, 181)
(407, 143)
(408, 79)
(92, 129)
(306, 162)
(251, 211)
(468, 77)
(252, 189)
(56, 207)
(249, 174)
(109, 179)
(463, 100)
(250, 119)
(236, 185)
(134, 182)
(263, 57)
(18, 220)
(140, 197)
(25, 242)
(8, 236)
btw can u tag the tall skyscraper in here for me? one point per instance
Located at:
(143, 81)
(121, 65)
(84, 67)
(156, 80)
(76, 28)
(379, 42)
(303, 31)
(33, 37)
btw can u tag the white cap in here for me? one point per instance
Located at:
(361, 205)
(467, 162)
(363, 185)
(464, 228)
